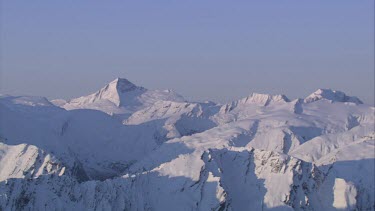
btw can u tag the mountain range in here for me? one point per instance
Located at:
(126, 147)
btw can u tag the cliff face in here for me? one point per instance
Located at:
(228, 180)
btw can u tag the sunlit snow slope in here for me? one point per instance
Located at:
(129, 148)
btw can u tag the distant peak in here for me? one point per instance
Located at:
(123, 85)
(113, 91)
(121, 80)
(266, 99)
(333, 95)
(255, 99)
(273, 97)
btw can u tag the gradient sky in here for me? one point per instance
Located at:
(205, 50)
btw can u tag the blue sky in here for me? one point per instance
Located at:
(204, 50)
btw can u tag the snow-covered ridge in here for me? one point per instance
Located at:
(265, 99)
(112, 92)
(129, 148)
(256, 100)
(332, 95)
(120, 97)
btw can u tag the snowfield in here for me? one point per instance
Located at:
(129, 148)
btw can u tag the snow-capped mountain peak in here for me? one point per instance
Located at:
(255, 99)
(265, 99)
(114, 91)
(332, 95)
(261, 152)
(122, 85)
(111, 92)
(120, 97)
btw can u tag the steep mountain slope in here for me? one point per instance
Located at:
(120, 97)
(27, 161)
(129, 148)
(331, 95)
(176, 118)
(101, 145)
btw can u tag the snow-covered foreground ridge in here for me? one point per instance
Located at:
(129, 148)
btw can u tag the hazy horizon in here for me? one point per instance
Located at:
(212, 50)
(186, 97)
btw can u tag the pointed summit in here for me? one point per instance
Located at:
(121, 96)
(122, 85)
(332, 95)
(115, 90)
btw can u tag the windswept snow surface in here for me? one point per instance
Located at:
(129, 148)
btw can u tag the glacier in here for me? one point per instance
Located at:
(126, 147)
